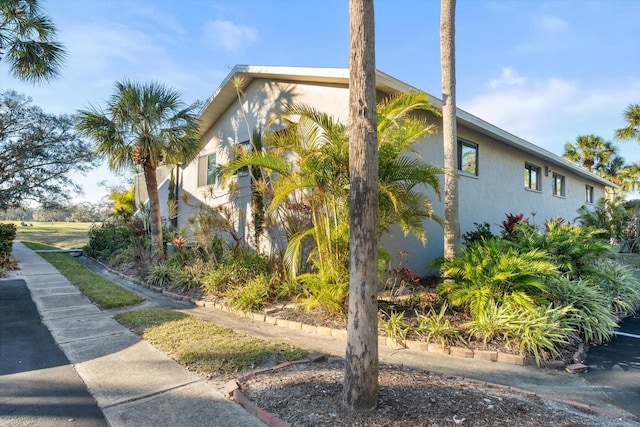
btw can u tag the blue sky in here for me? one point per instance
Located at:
(546, 71)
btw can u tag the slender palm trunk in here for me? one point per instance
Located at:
(449, 126)
(360, 389)
(155, 222)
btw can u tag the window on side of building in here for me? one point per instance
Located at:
(207, 170)
(588, 194)
(468, 157)
(558, 185)
(531, 177)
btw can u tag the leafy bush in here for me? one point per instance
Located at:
(589, 316)
(319, 292)
(437, 327)
(494, 270)
(163, 274)
(540, 331)
(107, 238)
(568, 246)
(618, 284)
(492, 322)
(394, 325)
(482, 232)
(7, 236)
(255, 295)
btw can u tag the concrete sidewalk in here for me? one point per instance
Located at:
(133, 383)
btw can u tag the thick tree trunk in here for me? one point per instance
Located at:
(360, 389)
(449, 126)
(155, 222)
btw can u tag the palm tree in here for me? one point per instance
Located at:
(449, 125)
(145, 125)
(308, 162)
(632, 130)
(590, 151)
(360, 388)
(27, 41)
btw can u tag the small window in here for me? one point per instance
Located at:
(531, 177)
(558, 185)
(207, 170)
(588, 194)
(468, 157)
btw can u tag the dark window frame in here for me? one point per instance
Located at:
(530, 170)
(461, 165)
(561, 178)
(588, 193)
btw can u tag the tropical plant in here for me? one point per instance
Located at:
(28, 41)
(145, 125)
(482, 231)
(394, 325)
(495, 271)
(608, 214)
(618, 284)
(632, 129)
(436, 326)
(307, 162)
(163, 274)
(449, 124)
(540, 331)
(568, 246)
(252, 296)
(491, 323)
(590, 151)
(590, 316)
(509, 225)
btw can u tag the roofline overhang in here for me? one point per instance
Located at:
(227, 93)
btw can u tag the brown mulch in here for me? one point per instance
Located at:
(310, 395)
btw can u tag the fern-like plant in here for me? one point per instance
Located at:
(492, 270)
(617, 283)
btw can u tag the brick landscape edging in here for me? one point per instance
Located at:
(486, 355)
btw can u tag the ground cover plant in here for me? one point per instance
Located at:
(100, 291)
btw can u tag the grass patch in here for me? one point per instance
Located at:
(204, 346)
(68, 235)
(99, 290)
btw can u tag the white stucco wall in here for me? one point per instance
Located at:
(498, 189)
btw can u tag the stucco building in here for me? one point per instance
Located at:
(499, 173)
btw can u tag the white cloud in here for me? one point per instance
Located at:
(228, 36)
(552, 24)
(550, 112)
(508, 77)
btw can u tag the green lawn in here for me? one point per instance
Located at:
(68, 235)
(99, 290)
(204, 346)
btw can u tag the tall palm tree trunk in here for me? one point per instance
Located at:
(360, 389)
(449, 126)
(155, 222)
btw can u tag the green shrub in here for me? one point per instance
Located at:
(618, 284)
(492, 322)
(590, 316)
(7, 236)
(435, 326)
(255, 295)
(494, 270)
(163, 274)
(320, 292)
(394, 325)
(540, 332)
(107, 238)
(568, 246)
(482, 232)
